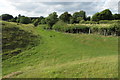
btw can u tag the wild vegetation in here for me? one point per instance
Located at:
(65, 46)
(15, 39)
(103, 29)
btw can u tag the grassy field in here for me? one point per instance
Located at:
(65, 55)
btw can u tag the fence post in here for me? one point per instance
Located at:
(89, 30)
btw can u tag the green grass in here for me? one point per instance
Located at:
(15, 39)
(63, 55)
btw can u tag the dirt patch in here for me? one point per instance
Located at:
(13, 74)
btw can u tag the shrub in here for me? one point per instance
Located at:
(82, 22)
(6, 17)
(25, 20)
(60, 26)
(51, 19)
(36, 22)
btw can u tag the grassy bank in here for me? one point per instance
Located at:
(65, 55)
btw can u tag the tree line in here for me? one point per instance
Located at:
(76, 17)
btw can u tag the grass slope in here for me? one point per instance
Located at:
(61, 55)
(15, 39)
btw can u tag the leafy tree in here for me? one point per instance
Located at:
(40, 20)
(6, 17)
(18, 18)
(13, 19)
(33, 20)
(82, 22)
(106, 15)
(79, 14)
(51, 19)
(60, 25)
(43, 21)
(72, 20)
(79, 19)
(96, 17)
(88, 18)
(35, 23)
(65, 17)
(75, 15)
(83, 14)
(116, 16)
(25, 20)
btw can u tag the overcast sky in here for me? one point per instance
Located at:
(36, 8)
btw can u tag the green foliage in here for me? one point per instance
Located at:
(63, 27)
(79, 14)
(36, 22)
(43, 21)
(25, 20)
(51, 19)
(18, 18)
(6, 17)
(96, 17)
(108, 21)
(72, 20)
(65, 17)
(103, 29)
(58, 50)
(82, 21)
(88, 18)
(60, 26)
(104, 15)
(116, 16)
(88, 56)
(12, 20)
(15, 40)
(87, 22)
(83, 14)
(33, 20)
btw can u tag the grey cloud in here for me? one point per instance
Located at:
(45, 8)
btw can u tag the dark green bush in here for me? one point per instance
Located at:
(25, 20)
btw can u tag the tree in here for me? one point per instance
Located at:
(35, 23)
(51, 19)
(6, 17)
(13, 19)
(103, 15)
(88, 18)
(96, 17)
(65, 17)
(79, 19)
(18, 18)
(72, 20)
(43, 21)
(106, 15)
(83, 14)
(25, 20)
(33, 20)
(39, 19)
(116, 16)
(79, 14)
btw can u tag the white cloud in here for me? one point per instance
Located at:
(38, 8)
